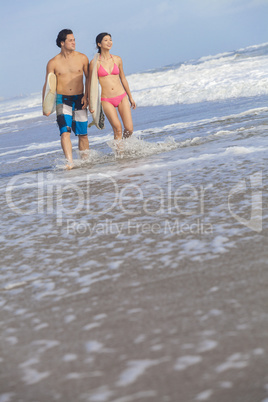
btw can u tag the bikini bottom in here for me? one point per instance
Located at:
(116, 100)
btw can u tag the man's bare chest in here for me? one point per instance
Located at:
(71, 68)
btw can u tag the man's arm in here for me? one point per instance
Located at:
(50, 69)
(85, 69)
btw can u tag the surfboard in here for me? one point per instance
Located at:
(49, 104)
(94, 96)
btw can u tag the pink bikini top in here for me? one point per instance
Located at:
(103, 73)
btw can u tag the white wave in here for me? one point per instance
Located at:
(32, 147)
(135, 147)
(36, 155)
(216, 56)
(108, 174)
(191, 124)
(26, 102)
(241, 73)
(236, 150)
(201, 158)
(20, 117)
(20, 109)
(248, 48)
(212, 80)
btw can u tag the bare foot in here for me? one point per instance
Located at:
(84, 154)
(119, 148)
(69, 166)
(127, 133)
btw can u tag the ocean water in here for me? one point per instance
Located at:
(140, 276)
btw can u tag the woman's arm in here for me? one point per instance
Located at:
(125, 83)
(91, 65)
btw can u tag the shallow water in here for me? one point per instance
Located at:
(139, 277)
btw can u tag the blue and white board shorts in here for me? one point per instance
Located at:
(70, 115)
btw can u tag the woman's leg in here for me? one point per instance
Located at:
(111, 114)
(125, 113)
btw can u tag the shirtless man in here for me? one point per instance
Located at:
(70, 67)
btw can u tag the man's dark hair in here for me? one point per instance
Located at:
(62, 35)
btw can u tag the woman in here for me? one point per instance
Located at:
(115, 92)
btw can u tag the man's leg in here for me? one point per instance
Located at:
(64, 120)
(83, 145)
(67, 148)
(79, 126)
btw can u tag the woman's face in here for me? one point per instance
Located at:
(106, 42)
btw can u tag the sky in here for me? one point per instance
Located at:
(146, 34)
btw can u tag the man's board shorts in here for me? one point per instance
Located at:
(70, 115)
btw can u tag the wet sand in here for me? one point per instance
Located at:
(126, 333)
(142, 278)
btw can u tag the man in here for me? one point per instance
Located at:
(70, 67)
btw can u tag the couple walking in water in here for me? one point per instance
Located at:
(72, 100)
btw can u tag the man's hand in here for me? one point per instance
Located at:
(84, 102)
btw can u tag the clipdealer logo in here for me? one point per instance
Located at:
(134, 227)
(46, 194)
(255, 221)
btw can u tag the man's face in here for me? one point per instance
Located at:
(69, 43)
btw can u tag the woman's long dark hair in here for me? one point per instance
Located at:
(99, 39)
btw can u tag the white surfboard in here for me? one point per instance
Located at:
(49, 104)
(94, 96)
